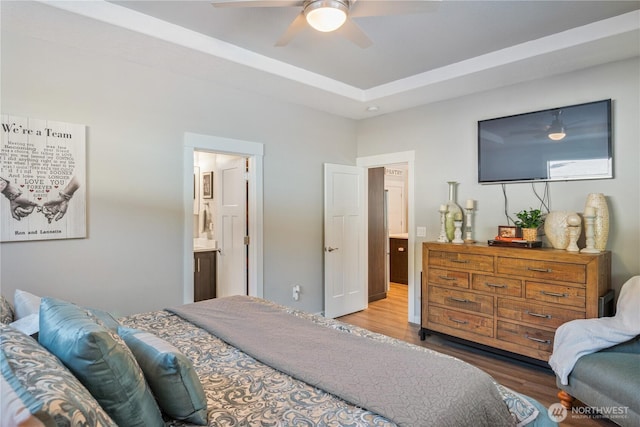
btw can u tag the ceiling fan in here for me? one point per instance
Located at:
(556, 129)
(332, 15)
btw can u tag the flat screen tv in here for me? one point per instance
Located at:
(558, 144)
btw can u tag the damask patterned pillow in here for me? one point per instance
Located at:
(44, 385)
(7, 315)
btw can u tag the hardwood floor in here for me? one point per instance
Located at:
(389, 317)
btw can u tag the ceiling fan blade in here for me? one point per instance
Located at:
(352, 32)
(258, 3)
(298, 24)
(361, 8)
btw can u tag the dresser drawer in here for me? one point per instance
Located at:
(540, 314)
(550, 270)
(497, 285)
(464, 321)
(461, 300)
(526, 336)
(557, 294)
(458, 260)
(456, 279)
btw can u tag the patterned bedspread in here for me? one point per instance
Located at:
(244, 392)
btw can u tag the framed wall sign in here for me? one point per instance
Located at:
(42, 179)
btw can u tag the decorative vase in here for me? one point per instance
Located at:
(556, 228)
(454, 212)
(598, 202)
(530, 234)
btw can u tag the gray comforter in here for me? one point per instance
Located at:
(407, 386)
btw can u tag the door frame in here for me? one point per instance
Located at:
(407, 157)
(254, 151)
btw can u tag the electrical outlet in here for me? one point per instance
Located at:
(421, 232)
(296, 292)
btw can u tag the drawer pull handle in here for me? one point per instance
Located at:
(544, 316)
(462, 322)
(447, 278)
(541, 270)
(460, 261)
(459, 299)
(537, 340)
(400, 249)
(554, 294)
(494, 285)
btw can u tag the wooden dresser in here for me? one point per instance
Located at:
(512, 299)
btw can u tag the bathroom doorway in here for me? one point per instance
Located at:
(221, 219)
(226, 175)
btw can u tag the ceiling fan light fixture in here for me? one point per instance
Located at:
(556, 136)
(326, 15)
(556, 131)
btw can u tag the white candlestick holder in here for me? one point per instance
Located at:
(468, 226)
(573, 222)
(457, 233)
(443, 231)
(589, 219)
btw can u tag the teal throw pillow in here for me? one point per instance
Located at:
(170, 375)
(99, 358)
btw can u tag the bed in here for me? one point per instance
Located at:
(262, 364)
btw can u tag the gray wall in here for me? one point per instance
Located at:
(137, 111)
(444, 138)
(136, 116)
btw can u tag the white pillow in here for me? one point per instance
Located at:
(28, 325)
(25, 304)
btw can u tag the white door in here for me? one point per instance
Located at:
(345, 285)
(396, 207)
(231, 191)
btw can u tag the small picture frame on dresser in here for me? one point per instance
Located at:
(508, 232)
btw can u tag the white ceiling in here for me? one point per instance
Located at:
(458, 47)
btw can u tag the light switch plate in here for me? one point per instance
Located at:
(421, 232)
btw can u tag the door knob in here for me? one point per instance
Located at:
(330, 249)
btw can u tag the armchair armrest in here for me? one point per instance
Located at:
(631, 346)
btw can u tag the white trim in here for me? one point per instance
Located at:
(254, 151)
(123, 17)
(599, 30)
(407, 157)
(144, 24)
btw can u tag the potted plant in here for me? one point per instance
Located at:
(530, 220)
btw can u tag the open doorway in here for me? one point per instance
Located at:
(221, 227)
(392, 161)
(233, 170)
(395, 187)
(387, 229)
